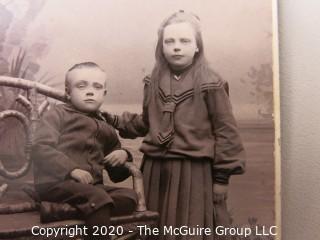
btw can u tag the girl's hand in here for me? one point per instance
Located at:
(82, 176)
(116, 158)
(109, 118)
(220, 193)
(222, 216)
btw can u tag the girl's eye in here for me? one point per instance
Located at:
(168, 41)
(185, 40)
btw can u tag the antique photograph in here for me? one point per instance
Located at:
(139, 120)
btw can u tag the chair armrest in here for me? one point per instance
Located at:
(138, 187)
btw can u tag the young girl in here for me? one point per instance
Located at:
(191, 144)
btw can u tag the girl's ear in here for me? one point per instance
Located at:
(105, 92)
(197, 49)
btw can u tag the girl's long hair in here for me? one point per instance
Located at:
(200, 67)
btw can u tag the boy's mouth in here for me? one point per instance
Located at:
(89, 100)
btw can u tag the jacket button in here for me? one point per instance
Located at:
(93, 205)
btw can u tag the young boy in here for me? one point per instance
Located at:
(73, 144)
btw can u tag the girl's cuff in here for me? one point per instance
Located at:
(221, 177)
(130, 158)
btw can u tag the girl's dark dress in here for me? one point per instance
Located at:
(191, 142)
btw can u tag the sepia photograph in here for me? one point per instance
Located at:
(139, 119)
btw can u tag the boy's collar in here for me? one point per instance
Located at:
(69, 107)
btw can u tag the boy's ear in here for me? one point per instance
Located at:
(105, 92)
(67, 91)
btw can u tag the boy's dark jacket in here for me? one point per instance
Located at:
(67, 139)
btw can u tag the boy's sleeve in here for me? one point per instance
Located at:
(118, 173)
(229, 156)
(132, 125)
(45, 153)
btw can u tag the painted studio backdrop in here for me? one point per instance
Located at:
(41, 39)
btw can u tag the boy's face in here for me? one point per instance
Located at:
(179, 45)
(87, 88)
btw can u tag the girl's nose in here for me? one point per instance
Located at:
(89, 94)
(177, 46)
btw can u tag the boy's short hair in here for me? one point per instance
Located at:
(79, 66)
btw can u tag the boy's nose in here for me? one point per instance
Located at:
(89, 93)
(176, 49)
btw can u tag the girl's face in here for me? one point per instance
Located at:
(179, 45)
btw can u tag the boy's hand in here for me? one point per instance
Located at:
(82, 176)
(220, 193)
(116, 158)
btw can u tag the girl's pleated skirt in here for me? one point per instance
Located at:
(181, 191)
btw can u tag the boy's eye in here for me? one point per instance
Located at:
(97, 86)
(81, 85)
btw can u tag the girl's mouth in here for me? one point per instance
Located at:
(177, 56)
